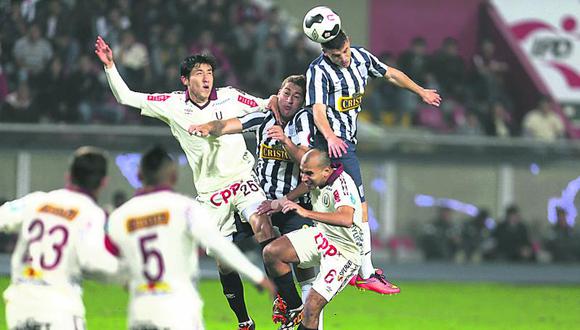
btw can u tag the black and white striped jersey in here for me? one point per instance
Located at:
(277, 172)
(342, 89)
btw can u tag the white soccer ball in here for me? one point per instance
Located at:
(321, 24)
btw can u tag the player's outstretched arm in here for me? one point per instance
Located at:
(343, 216)
(225, 251)
(217, 127)
(397, 77)
(118, 86)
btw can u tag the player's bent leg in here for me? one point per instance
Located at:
(262, 227)
(278, 256)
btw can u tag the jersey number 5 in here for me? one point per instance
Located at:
(150, 253)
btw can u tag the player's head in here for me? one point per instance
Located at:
(157, 168)
(338, 49)
(88, 169)
(315, 168)
(197, 75)
(291, 96)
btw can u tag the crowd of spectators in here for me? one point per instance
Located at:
(476, 99)
(49, 73)
(480, 238)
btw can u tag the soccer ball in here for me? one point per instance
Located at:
(321, 24)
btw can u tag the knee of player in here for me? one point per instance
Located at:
(270, 253)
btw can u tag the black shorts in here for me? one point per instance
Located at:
(286, 222)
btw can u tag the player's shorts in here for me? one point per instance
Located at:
(313, 249)
(165, 312)
(349, 161)
(244, 196)
(286, 222)
(39, 307)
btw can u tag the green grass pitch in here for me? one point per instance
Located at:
(421, 305)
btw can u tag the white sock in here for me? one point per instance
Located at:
(306, 286)
(366, 268)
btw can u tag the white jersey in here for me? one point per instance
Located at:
(60, 233)
(340, 191)
(215, 161)
(157, 234)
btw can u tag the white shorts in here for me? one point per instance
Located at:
(38, 307)
(313, 249)
(166, 312)
(243, 196)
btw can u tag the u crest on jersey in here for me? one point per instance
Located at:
(219, 115)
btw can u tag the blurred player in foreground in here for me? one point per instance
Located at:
(336, 83)
(222, 166)
(157, 233)
(61, 234)
(335, 243)
(280, 147)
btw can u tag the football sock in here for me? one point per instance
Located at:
(234, 292)
(305, 287)
(366, 268)
(287, 290)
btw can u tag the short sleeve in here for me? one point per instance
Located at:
(317, 86)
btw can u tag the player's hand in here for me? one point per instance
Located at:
(273, 106)
(269, 286)
(431, 97)
(104, 52)
(276, 132)
(292, 206)
(269, 207)
(199, 130)
(336, 147)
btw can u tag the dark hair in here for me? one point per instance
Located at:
(88, 167)
(336, 42)
(298, 80)
(152, 162)
(191, 61)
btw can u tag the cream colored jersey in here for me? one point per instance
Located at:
(340, 191)
(215, 161)
(60, 233)
(157, 235)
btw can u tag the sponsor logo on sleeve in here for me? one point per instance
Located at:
(249, 102)
(158, 98)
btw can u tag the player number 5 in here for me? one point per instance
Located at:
(150, 253)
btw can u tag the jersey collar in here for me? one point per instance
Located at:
(338, 169)
(152, 189)
(212, 97)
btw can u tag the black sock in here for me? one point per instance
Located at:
(234, 292)
(287, 290)
(302, 327)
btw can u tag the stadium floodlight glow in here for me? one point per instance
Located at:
(128, 164)
(422, 200)
(566, 202)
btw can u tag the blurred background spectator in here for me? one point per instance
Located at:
(562, 242)
(511, 236)
(442, 237)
